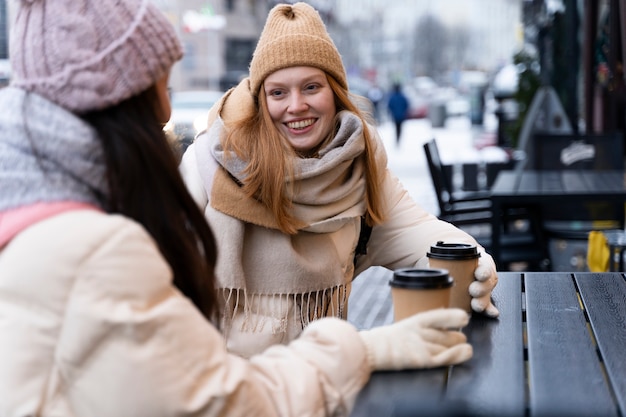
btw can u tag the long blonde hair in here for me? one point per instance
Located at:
(269, 171)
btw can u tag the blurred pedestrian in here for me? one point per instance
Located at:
(292, 178)
(398, 106)
(107, 265)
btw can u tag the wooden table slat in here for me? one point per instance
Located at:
(526, 183)
(386, 395)
(565, 373)
(493, 381)
(553, 183)
(604, 296)
(562, 356)
(370, 304)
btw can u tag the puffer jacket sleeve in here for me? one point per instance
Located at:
(133, 345)
(408, 232)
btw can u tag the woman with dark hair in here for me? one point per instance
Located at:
(294, 182)
(107, 288)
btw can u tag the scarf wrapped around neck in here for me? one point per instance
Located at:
(327, 190)
(256, 259)
(47, 154)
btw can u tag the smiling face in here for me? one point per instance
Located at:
(301, 105)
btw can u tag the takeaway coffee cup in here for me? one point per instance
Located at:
(416, 290)
(460, 260)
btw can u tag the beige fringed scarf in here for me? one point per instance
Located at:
(274, 278)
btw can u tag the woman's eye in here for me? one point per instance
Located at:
(276, 93)
(311, 87)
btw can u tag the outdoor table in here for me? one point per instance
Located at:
(528, 188)
(557, 349)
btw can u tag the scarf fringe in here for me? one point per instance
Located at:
(259, 309)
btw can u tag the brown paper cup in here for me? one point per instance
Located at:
(416, 290)
(460, 260)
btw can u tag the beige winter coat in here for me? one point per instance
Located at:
(402, 241)
(275, 284)
(91, 325)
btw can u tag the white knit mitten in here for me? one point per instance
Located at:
(424, 340)
(480, 290)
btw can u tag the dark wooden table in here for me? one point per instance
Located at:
(557, 349)
(528, 188)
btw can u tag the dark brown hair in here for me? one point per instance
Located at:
(145, 185)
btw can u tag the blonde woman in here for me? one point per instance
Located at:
(293, 178)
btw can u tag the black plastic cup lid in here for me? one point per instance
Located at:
(432, 278)
(453, 251)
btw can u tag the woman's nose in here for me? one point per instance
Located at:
(297, 103)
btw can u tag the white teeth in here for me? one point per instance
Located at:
(300, 124)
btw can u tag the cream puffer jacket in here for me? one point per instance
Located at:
(91, 325)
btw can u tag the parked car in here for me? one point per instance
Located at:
(425, 86)
(458, 105)
(189, 114)
(418, 103)
(422, 92)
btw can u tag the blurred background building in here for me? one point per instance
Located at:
(380, 41)
(402, 39)
(575, 46)
(218, 36)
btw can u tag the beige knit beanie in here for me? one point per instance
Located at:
(90, 54)
(294, 35)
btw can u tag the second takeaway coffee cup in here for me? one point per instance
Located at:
(461, 260)
(415, 290)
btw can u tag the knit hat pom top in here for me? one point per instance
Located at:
(90, 54)
(294, 35)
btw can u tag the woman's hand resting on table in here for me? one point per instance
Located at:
(425, 340)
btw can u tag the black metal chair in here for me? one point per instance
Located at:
(464, 208)
(468, 207)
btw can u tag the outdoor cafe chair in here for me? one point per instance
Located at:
(459, 206)
(453, 202)
(464, 208)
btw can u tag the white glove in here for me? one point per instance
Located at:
(480, 290)
(420, 341)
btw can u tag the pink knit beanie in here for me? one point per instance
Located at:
(294, 35)
(90, 54)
